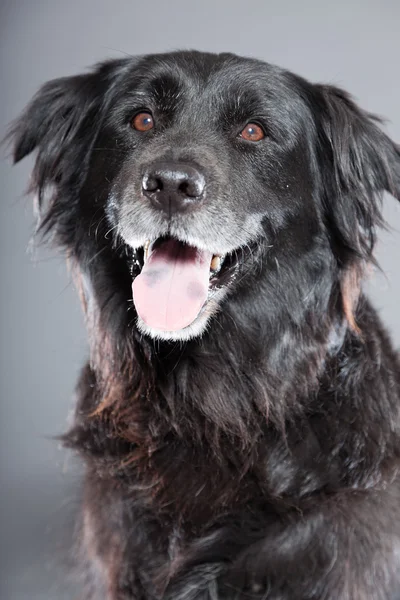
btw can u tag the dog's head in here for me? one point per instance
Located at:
(188, 179)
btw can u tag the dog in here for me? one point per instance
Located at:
(239, 414)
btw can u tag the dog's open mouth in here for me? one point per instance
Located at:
(173, 281)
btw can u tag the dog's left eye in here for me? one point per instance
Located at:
(252, 133)
(143, 122)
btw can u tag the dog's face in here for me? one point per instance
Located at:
(195, 164)
(205, 150)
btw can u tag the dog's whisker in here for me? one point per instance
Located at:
(100, 222)
(95, 256)
(108, 149)
(109, 231)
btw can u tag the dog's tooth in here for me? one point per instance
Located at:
(215, 263)
(146, 249)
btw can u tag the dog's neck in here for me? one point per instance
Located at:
(271, 373)
(226, 409)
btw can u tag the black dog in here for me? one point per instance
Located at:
(240, 418)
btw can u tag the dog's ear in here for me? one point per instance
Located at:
(363, 162)
(60, 124)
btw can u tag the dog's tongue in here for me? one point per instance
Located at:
(173, 285)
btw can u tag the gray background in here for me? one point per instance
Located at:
(352, 44)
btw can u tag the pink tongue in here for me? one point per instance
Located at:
(173, 286)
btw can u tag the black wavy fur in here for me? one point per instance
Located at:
(259, 460)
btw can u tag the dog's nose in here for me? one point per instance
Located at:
(173, 187)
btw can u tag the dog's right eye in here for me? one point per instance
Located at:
(252, 133)
(143, 121)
